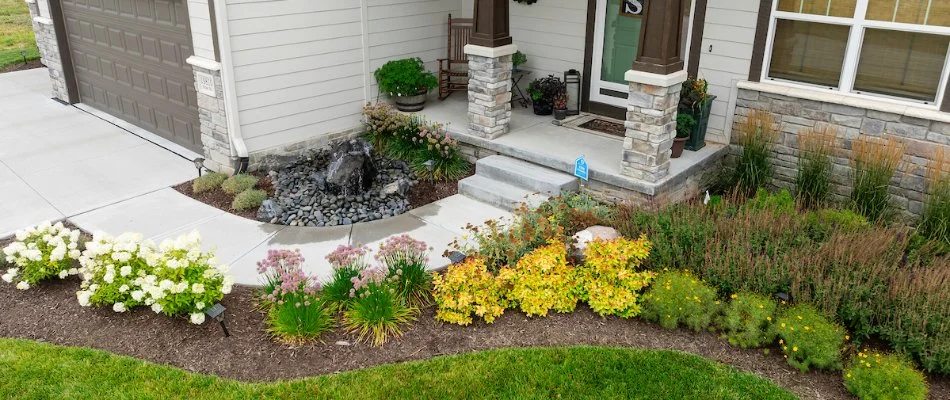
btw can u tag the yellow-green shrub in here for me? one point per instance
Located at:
(542, 280)
(209, 181)
(610, 281)
(809, 339)
(747, 320)
(884, 377)
(248, 199)
(238, 183)
(468, 288)
(680, 298)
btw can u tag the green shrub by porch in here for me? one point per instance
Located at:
(238, 183)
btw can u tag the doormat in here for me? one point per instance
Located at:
(604, 126)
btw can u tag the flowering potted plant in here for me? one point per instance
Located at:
(560, 106)
(542, 92)
(407, 82)
(684, 126)
(696, 102)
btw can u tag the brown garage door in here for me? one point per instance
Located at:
(129, 58)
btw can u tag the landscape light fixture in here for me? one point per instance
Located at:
(784, 297)
(23, 54)
(199, 164)
(216, 312)
(456, 257)
(430, 166)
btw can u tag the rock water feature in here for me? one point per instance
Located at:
(341, 185)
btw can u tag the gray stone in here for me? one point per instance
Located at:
(269, 211)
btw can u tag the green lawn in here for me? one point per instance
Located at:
(16, 33)
(32, 370)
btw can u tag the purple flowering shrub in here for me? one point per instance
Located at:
(377, 310)
(347, 262)
(406, 261)
(295, 311)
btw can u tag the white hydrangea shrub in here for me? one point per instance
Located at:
(174, 278)
(41, 252)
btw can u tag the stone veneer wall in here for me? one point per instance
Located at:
(214, 124)
(45, 33)
(489, 95)
(921, 136)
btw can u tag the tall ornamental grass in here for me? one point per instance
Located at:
(874, 162)
(935, 222)
(816, 147)
(757, 134)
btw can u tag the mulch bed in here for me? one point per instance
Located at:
(222, 201)
(50, 314)
(22, 67)
(604, 126)
(428, 192)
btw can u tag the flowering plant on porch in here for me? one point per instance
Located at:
(428, 148)
(543, 92)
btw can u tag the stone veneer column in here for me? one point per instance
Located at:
(45, 33)
(489, 89)
(651, 124)
(212, 115)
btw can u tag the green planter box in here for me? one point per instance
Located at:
(697, 138)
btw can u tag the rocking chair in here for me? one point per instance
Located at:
(453, 70)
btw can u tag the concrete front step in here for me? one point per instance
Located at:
(523, 174)
(499, 194)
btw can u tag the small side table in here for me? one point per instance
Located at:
(516, 93)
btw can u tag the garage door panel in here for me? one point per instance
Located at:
(130, 61)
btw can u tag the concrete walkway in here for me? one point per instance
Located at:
(58, 162)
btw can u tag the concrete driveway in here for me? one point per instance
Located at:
(57, 161)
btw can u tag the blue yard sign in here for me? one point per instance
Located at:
(580, 168)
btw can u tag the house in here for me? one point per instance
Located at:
(236, 80)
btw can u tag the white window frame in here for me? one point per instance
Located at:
(852, 56)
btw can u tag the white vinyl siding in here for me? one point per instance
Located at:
(301, 67)
(729, 33)
(201, 38)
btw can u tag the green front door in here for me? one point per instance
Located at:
(621, 42)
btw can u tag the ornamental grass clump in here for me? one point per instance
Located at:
(347, 261)
(747, 320)
(209, 181)
(542, 280)
(238, 183)
(680, 298)
(809, 339)
(295, 311)
(249, 199)
(175, 278)
(757, 134)
(41, 252)
(406, 261)
(935, 222)
(610, 281)
(873, 164)
(468, 289)
(376, 311)
(816, 148)
(873, 375)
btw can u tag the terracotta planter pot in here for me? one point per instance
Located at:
(411, 103)
(678, 145)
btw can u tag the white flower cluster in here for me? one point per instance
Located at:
(174, 277)
(41, 252)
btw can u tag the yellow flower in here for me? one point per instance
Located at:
(795, 348)
(846, 337)
(761, 306)
(734, 296)
(768, 318)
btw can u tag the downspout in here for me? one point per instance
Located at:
(239, 154)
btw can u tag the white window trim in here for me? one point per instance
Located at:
(849, 68)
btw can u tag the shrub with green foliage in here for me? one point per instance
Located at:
(756, 134)
(680, 298)
(39, 253)
(406, 264)
(209, 181)
(816, 146)
(935, 221)
(376, 312)
(747, 320)
(876, 376)
(404, 77)
(238, 183)
(809, 339)
(249, 199)
(295, 312)
(782, 202)
(873, 163)
(610, 281)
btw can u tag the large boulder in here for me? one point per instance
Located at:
(591, 234)
(351, 170)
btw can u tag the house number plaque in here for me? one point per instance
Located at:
(205, 84)
(632, 8)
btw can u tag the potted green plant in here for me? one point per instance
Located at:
(684, 126)
(407, 82)
(560, 106)
(542, 92)
(518, 59)
(697, 103)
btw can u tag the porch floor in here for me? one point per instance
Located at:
(536, 139)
